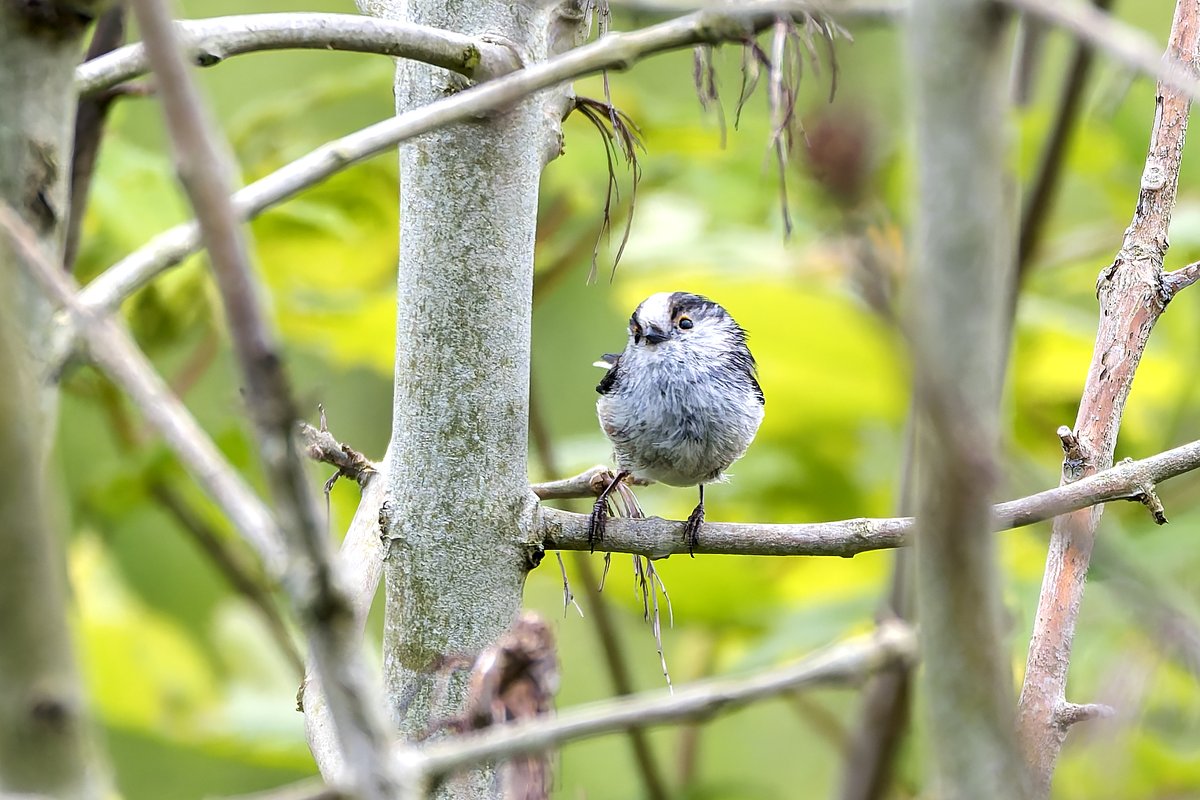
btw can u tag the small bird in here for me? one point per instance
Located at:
(681, 403)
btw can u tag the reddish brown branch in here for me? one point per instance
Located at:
(1132, 296)
(1181, 278)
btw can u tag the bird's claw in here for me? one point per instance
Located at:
(596, 521)
(691, 529)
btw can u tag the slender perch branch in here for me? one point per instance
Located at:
(852, 660)
(211, 41)
(1132, 296)
(656, 537)
(312, 582)
(613, 52)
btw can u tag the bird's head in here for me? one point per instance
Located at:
(675, 324)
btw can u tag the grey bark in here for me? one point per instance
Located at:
(460, 516)
(39, 48)
(43, 727)
(44, 747)
(958, 302)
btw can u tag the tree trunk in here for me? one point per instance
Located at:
(958, 307)
(40, 46)
(460, 516)
(43, 727)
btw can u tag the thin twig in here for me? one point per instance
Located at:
(111, 348)
(1128, 45)
(588, 483)
(886, 710)
(656, 538)
(325, 610)
(616, 51)
(1039, 201)
(90, 116)
(320, 445)
(229, 563)
(211, 41)
(1069, 714)
(307, 789)
(846, 662)
(1181, 278)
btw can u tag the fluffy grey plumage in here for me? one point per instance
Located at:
(682, 402)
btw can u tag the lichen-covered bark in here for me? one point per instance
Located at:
(459, 511)
(958, 320)
(43, 729)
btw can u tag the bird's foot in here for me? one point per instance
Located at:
(596, 521)
(691, 529)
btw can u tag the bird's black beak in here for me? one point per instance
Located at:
(654, 335)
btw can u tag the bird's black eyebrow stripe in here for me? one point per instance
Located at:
(687, 303)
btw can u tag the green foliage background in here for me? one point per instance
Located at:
(194, 696)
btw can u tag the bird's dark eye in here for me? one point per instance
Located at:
(685, 323)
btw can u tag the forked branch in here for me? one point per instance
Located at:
(613, 52)
(1133, 293)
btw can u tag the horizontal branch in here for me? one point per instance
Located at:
(320, 445)
(613, 52)
(1178, 280)
(892, 643)
(1121, 42)
(211, 41)
(1069, 714)
(656, 537)
(588, 483)
(858, 10)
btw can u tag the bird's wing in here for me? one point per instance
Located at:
(612, 362)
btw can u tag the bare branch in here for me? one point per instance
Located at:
(1040, 196)
(361, 561)
(656, 538)
(1181, 278)
(320, 445)
(616, 51)
(91, 113)
(211, 41)
(1069, 714)
(230, 563)
(1132, 297)
(308, 789)
(846, 662)
(1123, 43)
(588, 483)
(880, 11)
(111, 348)
(315, 590)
